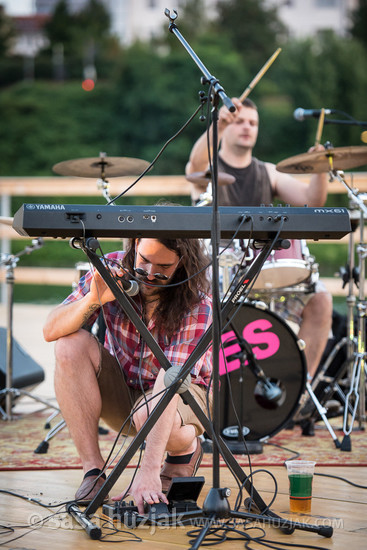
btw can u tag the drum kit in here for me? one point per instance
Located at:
(288, 272)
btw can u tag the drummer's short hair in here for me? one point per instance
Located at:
(249, 103)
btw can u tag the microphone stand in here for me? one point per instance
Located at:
(215, 504)
(348, 122)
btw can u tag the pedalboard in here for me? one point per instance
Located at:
(182, 496)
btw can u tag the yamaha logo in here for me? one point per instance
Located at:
(45, 206)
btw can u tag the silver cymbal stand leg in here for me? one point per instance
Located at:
(355, 398)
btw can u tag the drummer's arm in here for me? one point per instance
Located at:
(299, 193)
(199, 156)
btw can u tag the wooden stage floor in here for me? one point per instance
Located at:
(335, 503)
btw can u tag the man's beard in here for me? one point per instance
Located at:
(148, 288)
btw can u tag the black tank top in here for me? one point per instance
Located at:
(251, 188)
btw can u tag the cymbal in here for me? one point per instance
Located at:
(6, 220)
(101, 167)
(203, 178)
(341, 158)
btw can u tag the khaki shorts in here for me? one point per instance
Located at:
(118, 399)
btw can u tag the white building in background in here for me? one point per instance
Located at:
(143, 19)
(132, 19)
(309, 17)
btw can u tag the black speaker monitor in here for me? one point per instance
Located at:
(26, 372)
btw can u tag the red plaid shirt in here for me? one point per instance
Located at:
(124, 340)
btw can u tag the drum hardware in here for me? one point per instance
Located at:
(101, 167)
(334, 161)
(351, 390)
(204, 181)
(355, 399)
(9, 261)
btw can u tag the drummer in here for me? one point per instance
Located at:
(257, 183)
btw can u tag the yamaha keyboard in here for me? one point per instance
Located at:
(72, 220)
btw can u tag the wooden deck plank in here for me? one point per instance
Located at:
(334, 503)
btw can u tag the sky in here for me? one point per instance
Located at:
(17, 7)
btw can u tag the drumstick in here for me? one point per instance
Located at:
(262, 71)
(320, 126)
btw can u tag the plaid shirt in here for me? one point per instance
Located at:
(124, 340)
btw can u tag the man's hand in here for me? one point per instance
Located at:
(316, 148)
(225, 117)
(146, 487)
(100, 292)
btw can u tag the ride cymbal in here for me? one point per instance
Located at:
(101, 167)
(203, 178)
(338, 158)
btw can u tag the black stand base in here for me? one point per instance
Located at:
(236, 447)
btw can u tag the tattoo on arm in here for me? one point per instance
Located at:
(92, 308)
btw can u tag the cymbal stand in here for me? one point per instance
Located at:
(10, 261)
(102, 183)
(356, 396)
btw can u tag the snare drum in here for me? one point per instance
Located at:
(286, 267)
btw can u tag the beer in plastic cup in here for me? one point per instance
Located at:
(300, 475)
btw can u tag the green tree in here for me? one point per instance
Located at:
(85, 37)
(60, 29)
(358, 28)
(7, 32)
(254, 28)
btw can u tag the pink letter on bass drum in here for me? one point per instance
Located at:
(254, 333)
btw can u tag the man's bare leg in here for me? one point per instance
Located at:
(78, 395)
(315, 328)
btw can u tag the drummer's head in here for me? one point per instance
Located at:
(242, 132)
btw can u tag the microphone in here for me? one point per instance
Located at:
(131, 287)
(267, 393)
(301, 114)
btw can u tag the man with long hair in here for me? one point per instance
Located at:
(121, 378)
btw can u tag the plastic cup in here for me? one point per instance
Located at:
(300, 475)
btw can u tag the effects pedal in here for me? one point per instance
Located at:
(182, 496)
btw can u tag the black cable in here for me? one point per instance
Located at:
(109, 525)
(157, 156)
(342, 479)
(296, 453)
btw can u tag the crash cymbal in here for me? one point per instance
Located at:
(203, 178)
(6, 221)
(101, 167)
(338, 158)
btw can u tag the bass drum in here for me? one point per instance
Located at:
(263, 411)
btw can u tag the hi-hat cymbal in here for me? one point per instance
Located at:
(6, 220)
(203, 178)
(338, 158)
(101, 167)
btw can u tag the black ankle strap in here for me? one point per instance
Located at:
(95, 472)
